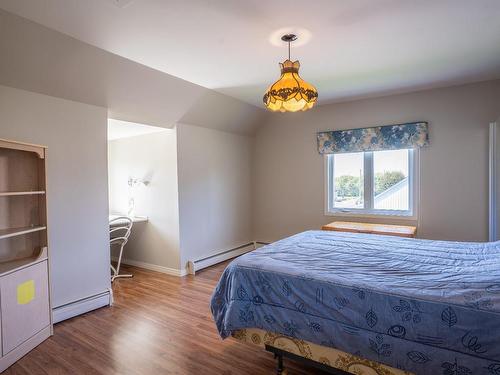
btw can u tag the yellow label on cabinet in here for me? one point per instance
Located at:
(25, 292)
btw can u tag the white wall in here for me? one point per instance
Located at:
(289, 172)
(153, 157)
(77, 191)
(215, 183)
(39, 59)
(44, 61)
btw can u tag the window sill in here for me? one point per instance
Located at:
(388, 216)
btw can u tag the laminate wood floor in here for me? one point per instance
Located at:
(159, 324)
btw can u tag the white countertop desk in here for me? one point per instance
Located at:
(135, 219)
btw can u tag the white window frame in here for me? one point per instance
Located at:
(413, 184)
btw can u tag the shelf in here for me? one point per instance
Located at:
(13, 232)
(16, 193)
(21, 146)
(15, 264)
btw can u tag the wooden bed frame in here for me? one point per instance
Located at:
(279, 354)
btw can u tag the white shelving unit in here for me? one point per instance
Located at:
(13, 232)
(25, 313)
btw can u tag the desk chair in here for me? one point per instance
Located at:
(119, 233)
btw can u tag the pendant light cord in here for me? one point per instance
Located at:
(289, 50)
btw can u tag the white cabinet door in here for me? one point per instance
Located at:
(24, 300)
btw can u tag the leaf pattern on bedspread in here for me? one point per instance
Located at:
(478, 301)
(378, 346)
(286, 289)
(418, 357)
(360, 293)
(371, 318)
(263, 283)
(257, 300)
(408, 310)
(269, 319)
(455, 369)
(315, 326)
(291, 328)
(300, 305)
(449, 317)
(494, 369)
(340, 302)
(409, 303)
(242, 293)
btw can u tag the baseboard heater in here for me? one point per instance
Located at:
(82, 306)
(195, 265)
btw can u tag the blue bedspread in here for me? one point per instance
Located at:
(429, 307)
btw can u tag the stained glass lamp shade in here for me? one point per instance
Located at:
(290, 93)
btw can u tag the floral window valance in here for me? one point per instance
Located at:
(388, 137)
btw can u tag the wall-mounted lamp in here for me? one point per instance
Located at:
(134, 182)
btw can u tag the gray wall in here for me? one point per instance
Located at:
(289, 172)
(77, 193)
(215, 207)
(153, 157)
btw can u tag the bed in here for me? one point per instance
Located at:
(409, 305)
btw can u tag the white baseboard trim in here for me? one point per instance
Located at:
(152, 267)
(195, 265)
(260, 243)
(198, 264)
(82, 306)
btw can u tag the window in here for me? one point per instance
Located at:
(376, 183)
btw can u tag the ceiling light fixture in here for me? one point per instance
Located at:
(290, 93)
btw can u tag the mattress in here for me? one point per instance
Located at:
(427, 307)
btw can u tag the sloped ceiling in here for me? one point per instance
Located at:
(42, 60)
(347, 48)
